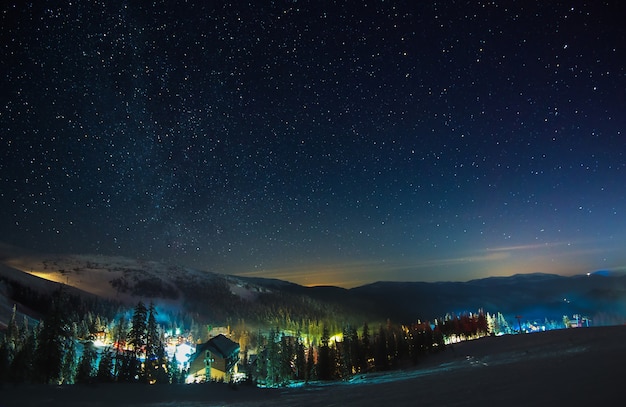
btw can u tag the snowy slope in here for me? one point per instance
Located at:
(575, 367)
(126, 281)
(10, 275)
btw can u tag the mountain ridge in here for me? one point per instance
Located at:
(220, 298)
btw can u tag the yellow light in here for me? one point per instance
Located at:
(336, 338)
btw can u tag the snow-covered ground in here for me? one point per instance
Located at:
(574, 367)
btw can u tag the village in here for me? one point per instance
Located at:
(221, 358)
(216, 359)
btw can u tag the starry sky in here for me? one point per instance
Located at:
(319, 142)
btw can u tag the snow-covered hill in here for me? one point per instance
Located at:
(124, 279)
(217, 298)
(211, 297)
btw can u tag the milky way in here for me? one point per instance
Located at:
(319, 142)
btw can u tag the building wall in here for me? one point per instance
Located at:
(217, 372)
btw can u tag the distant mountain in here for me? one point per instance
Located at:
(532, 296)
(221, 299)
(209, 297)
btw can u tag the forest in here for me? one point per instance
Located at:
(79, 341)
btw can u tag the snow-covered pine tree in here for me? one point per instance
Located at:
(138, 330)
(152, 344)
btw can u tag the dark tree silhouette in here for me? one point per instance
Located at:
(273, 359)
(129, 367)
(137, 334)
(53, 341)
(137, 340)
(381, 356)
(105, 367)
(173, 371)
(324, 363)
(310, 365)
(87, 365)
(300, 355)
(366, 349)
(68, 370)
(154, 349)
(22, 366)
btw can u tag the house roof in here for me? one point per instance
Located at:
(220, 345)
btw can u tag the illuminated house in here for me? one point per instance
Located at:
(215, 359)
(98, 338)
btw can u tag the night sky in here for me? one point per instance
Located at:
(318, 142)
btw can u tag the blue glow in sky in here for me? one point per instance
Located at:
(319, 142)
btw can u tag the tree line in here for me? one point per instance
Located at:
(60, 349)
(283, 358)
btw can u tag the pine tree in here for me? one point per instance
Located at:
(89, 322)
(86, 366)
(161, 371)
(336, 357)
(21, 368)
(105, 367)
(366, 349)
(82, 329)
(53, 340)
(120, 337)
(153, 345)
(13, 331)
(153, 339)
(347, 353)
(482, 325)
(273, 359)
(393, 346)
(286, 358)
(310, 365)
(503, 324)
(128, 367)
(137, 340)
(324, 363)
(137, 334)
(381, 356)
(355, 350)
(173, 370)
(68, 370)
(300, 362)
(492, 324)
(97, 325)
(261, 366)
